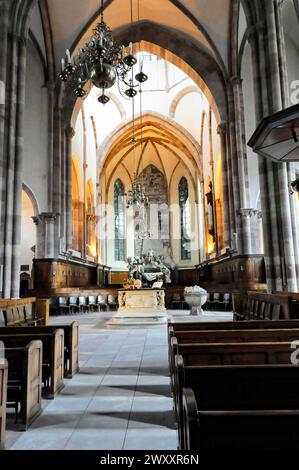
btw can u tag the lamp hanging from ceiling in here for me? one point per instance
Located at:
(102, 63)
(136, 196)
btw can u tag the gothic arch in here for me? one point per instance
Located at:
(176, 100)
(194, 59)
(32, 198)
(168, 123)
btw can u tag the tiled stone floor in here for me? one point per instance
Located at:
(120, 399)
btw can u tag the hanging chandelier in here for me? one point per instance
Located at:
(136, 196)
(102, 63)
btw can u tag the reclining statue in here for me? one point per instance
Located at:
(150, 268)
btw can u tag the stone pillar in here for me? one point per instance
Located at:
(4, 20)
(17, 188)
(256, 221)
(271, 96)
(294, 214)
(274, 76)
(40, 243)
(245, 216)
(45, 223)
(14, 24)
(69, 133)
(241, 166)
(222, 128)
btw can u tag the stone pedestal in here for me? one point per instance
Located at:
(140, 306)
(195, 300)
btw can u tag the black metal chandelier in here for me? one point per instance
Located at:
(102, 63)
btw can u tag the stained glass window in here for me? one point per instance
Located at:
(185, 219)
(119, 221)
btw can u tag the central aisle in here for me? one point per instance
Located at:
(119, 400)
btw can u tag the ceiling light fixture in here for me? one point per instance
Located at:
(102, 63)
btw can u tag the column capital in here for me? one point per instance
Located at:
(245, 213)
(47, 217)
(236, 80)
(222, 128)
(70, 132)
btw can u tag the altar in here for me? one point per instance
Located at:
(140, 306)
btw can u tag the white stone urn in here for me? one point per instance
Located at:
(195, 297)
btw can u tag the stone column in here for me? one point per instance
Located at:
(256, 221)
(69, 134)
(40, 240)
(45, 223)
(4, 17)
(241, 164)
(222, 128)
(17, 188)
(245, 216)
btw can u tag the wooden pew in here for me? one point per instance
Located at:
(231, 325)
(229, 336)
(71, 342)
(238, 430)
(53, 356)
(237, 336)
(3, 396)
(18, 312)
(237, 387)
(234, 353)
(25, 381)
(263, 306)
(217, 354)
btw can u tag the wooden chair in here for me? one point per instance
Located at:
(112, 302)
(63, 306)
(73, 304)
(215, 301)
(207, 305)
(102, 302)
(93, 307)
(83, 306)
(176, 302)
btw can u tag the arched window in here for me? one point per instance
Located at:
(185, 219)
(77, 208)
(119, 221)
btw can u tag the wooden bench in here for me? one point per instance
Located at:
(25, 381)
(234, 353)
(19, 312)
(293, 299)
(3, 396)
(53, 356)
(263, 306)
(237, 387)
(238, 430)
(236, 336)
(71, 342)
(217, 354)
(231, 325)
(229, 336)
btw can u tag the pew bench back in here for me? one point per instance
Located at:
(25, 380)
